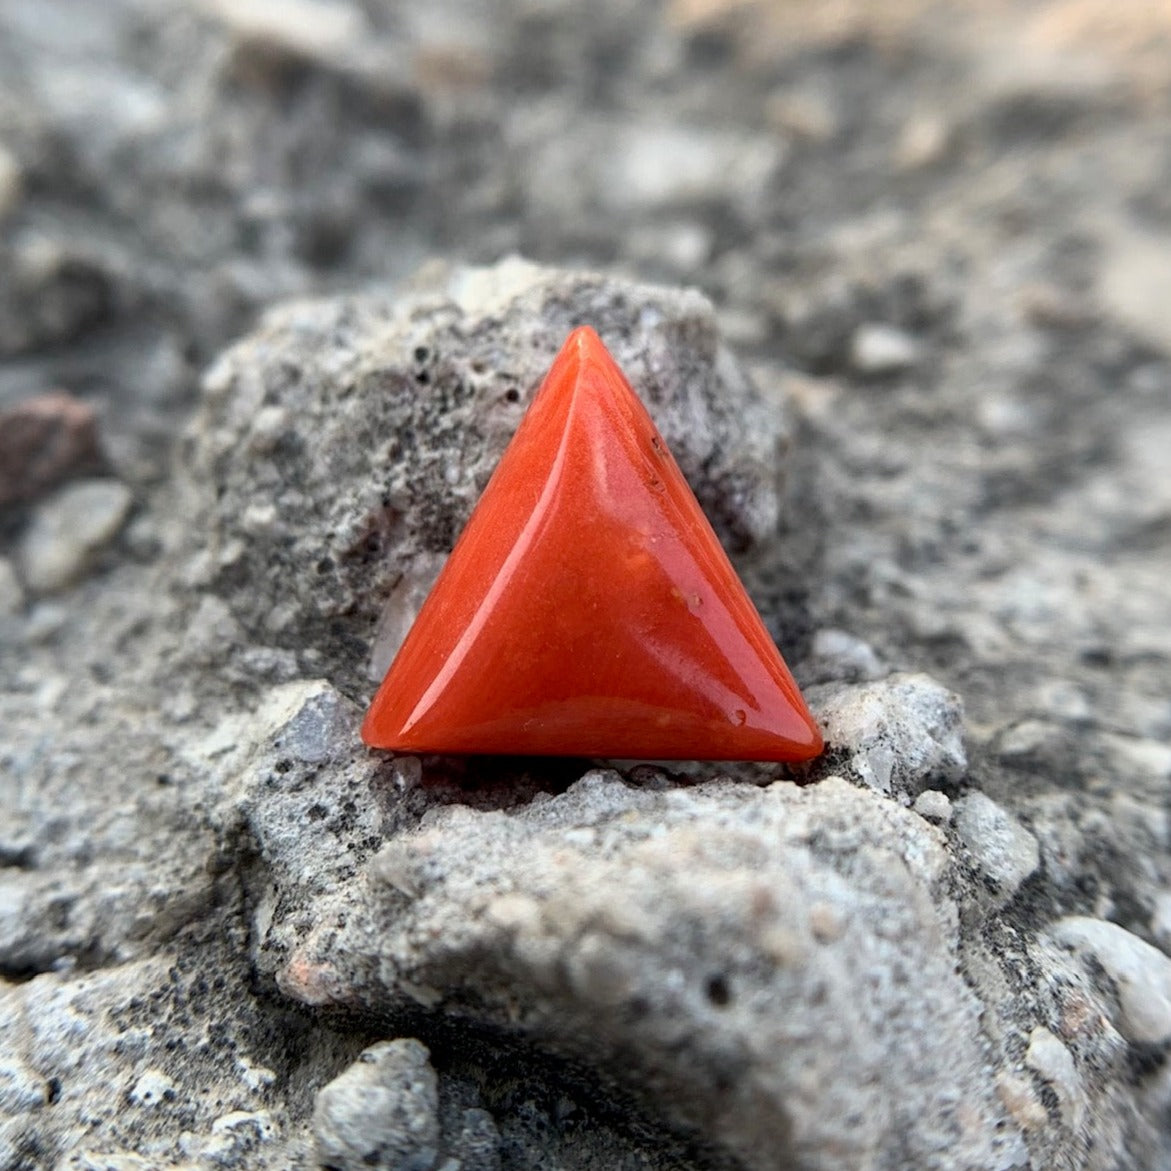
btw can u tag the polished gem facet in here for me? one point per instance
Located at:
(588, 608)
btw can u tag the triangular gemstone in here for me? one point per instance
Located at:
(588, 608)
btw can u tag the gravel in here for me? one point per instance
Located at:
(887, 276)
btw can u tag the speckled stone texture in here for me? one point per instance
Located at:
(925, 392)
(345, 468)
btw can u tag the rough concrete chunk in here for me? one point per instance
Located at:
(369, 459)
(382, 1112)
(895, 735)
(714, 940)
(1002, 849)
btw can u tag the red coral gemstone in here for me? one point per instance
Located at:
(588, 608)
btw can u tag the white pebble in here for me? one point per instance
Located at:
(933, 805)
(882, 349)
(69, 529)
(997, 843)
(1054, 1063)
(1141, 973)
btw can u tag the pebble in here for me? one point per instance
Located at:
(235, 1138)
(933, 805)
(1021, 1101)
(655, 164)
(69, 529)
(1026, 737)
(882, 349)
(1054, 1063)
(273, 32)
(382, 1112)
(44, 440)
(997, 843)
(685, 245)
(901, 734)
(1141, 973)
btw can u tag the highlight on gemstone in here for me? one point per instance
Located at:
(588, 608)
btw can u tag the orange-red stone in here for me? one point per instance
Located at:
(588, 608)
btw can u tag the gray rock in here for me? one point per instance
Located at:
(327, 505)
(171, 841)
(382, 1112)
(69, 530)
(1141, 975)
(99, 1099)
(588, 912)
(1054, 1064)
(896, 735)
(933, 805)
(1000, 847)
(475, 1146)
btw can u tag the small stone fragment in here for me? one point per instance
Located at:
(1002, 849)
(898, 735)
(382, 1112)
(881, 349)
(1021, 1101)
(1141, 974)
(401, 609)
(268, 37)
(68, 530)
(476, 1144)
(44, 440)
(933, 805)
(1054, 1063)
(235, 1136)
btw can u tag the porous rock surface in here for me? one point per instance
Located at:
(232, 937)
(345, 469)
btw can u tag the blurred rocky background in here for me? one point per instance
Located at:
(264, 330)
